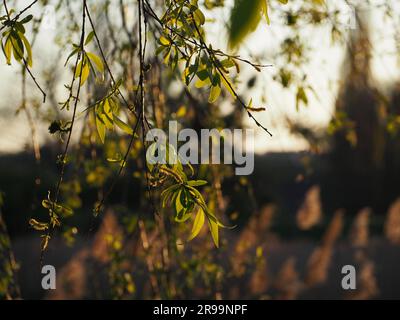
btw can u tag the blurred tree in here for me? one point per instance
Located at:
(135, 65)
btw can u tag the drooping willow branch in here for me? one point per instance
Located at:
(211, 53)
(142, 48)
(105, 61)
(216, 65)
(139, 111)
(31, 122)
(216, 52)
(139, 114)
(18, 15)
(53, 219)
(11, 24)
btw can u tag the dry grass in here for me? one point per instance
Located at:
(248, 267)
(392, 225)
(359, 233)
(310, 212)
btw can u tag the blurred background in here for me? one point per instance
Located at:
(325, 191)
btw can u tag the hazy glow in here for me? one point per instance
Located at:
(323, 72)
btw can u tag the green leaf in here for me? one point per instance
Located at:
(123, 126)
(46, 204)
(197, 224)
(227, 63)
(58, 208)
(199, 17)
(74, 52)
(45, 242)
(214, 93)
(197, 195)
(265, 11)
(7, 50)
(28, 49)
(196, 183)
(203, 74)
(85, 73)
(26, 19)
(64, 211)
(301, 96)
(40, 226)
(82, 71)
(107, 114)
(89, 38)
(228, 85)
(164, 41)
(78, 69)
(101, 129)
(167, 55)
(202, 83)
(183, 205)
(19, 27)
(214, 229)
(96, 60)
(178, 201)
(167, 193)
(17, 45)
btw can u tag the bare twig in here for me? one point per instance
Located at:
(18, 15)
(105, 61)
(10, 21)
(64, 155)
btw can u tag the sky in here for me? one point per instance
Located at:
(323, 71)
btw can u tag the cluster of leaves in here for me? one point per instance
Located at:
(182, 39)
(181, 193)
(56, 211)
(88, 61)
(106, 113)
(107, 109)
(181, 43)
(13, 41)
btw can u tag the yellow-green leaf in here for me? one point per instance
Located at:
(40, 226)
(197, 224)
(18, 47)
(89, 38)
(96, 60)
(213, 225)
(85, 73)
(45, 242)
(265, 11)
(214, 93)
(7, 50)
(101, 129)
(228, 85)
(107, 114)
(123, 126)
(164, 41)
(28, 49)
(199, 17)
